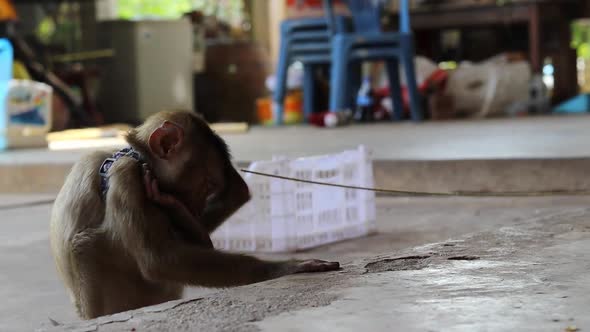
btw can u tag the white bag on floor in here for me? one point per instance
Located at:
(489, 88)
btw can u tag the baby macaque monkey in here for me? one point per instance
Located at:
(132, 229)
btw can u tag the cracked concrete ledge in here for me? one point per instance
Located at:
(494, 175)
(532, 276)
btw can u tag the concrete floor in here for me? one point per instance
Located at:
(542, 137)
(32, 292)
(522, 138)
(532, 274)
(524, 269)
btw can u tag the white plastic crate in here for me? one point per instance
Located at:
(287, 216)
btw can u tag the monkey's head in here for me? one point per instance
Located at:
(187, 157)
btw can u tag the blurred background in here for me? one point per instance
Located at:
(119, 61)
(423, 95)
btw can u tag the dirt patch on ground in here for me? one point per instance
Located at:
(398, 264)
(463, 258)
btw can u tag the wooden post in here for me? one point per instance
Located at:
(565, 63)
(535, 38)
(260, 19)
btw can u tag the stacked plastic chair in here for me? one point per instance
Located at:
(368, 42)
(307, 40)
(329, 41)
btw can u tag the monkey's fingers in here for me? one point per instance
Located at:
(163, 198)
(147, 183)
(155, 190)
(316, 265)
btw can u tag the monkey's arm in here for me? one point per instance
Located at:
(211, 268)
(146, 237)
(188, 225)
(234, 196)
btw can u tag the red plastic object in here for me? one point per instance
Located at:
(435, 82)
(317, 119)
(308, 3)
(328, 119)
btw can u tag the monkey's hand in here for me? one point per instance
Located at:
(182, 217)
(153, 192)
(316, 265)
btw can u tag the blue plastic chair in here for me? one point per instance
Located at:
(369, 43)
(306, 40)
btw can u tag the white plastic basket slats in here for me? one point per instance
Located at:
(288, 216)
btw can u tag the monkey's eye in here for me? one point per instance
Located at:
(212, 190)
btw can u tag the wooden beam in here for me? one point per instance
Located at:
(535, 38)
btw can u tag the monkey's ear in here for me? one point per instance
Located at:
(166, 140)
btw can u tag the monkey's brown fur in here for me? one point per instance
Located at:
(125, 251)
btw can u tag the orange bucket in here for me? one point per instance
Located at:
(264, 110)
(293, 109)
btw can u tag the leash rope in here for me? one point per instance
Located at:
(412, 193)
